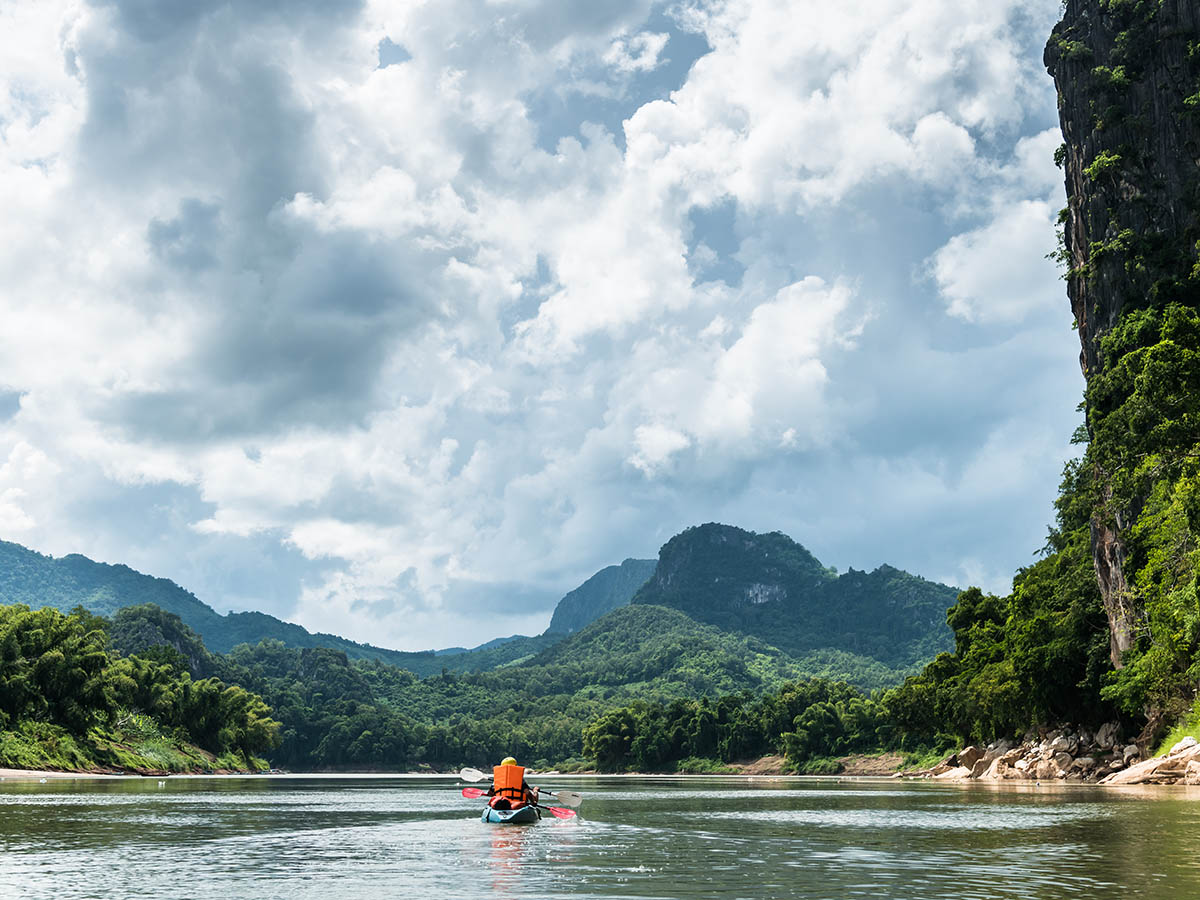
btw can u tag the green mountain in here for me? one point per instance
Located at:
(608, 589)
(865, 628)
(770, 587)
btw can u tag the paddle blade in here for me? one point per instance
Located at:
(471, 775)
(568, 798)
(473, 793)
(559, 813)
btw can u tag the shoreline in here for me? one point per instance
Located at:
(15, 776)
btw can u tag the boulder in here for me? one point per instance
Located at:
(1064, 743)
(968, 756)
(954, 774)
(997, 749)
(1130, 753)
(1047, 769)
(1167, 769)
(981, 767)
(1084, 763)
(1188, 741)
(1106, 736)
(1063, 760)
(997, 768)
(1191, 775)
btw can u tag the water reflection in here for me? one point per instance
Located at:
(507, 862)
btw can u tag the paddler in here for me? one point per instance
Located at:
(509, 788)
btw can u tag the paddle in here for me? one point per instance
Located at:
(557, 811)
(566, 798)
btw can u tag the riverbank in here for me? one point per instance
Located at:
(1069, 755)
(43, 775)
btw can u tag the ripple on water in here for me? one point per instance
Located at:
(307, 841)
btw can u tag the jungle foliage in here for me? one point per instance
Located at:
(805, 721)
(68, 700)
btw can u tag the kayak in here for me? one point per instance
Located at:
(522, 815)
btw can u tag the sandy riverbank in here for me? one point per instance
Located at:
(35, 775)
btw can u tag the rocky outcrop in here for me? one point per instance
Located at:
(1179, 765)
(1127, 86)
(1064, 754)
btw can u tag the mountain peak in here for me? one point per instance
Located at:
(770, 587)
(610, 588)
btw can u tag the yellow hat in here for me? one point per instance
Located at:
(508, 761)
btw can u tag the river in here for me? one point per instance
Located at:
(379, 837)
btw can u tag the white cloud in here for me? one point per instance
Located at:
(655, 445)
(364, 316)
(638, 53)
(999, 273)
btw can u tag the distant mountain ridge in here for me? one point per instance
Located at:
(762, 586)
(37, 580)
(609, 589)
(770, 587)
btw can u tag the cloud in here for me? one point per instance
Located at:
(999, 272)
(405, 348)
(638, 53)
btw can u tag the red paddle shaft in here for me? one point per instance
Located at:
(557, 811)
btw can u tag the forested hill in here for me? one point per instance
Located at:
(37, 580)
(770, 587)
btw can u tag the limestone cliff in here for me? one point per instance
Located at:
(609, 589)
(1128, 79)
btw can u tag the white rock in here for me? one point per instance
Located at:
(1188, 741)
(954, 774)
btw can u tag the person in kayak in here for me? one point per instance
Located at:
(509, 790)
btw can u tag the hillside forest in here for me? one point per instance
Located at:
(737, 645)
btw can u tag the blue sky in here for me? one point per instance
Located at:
(399, 320)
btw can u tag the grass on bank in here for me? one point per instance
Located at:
(136, 745)
(1188, 726)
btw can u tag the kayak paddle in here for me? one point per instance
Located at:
(566, 798)
(557, 811)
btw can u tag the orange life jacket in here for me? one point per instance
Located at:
(509, 782)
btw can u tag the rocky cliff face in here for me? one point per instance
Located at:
(1128, 79)
(609, 589)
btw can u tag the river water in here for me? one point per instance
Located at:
(376, 837)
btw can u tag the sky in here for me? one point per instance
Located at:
(401, 319)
